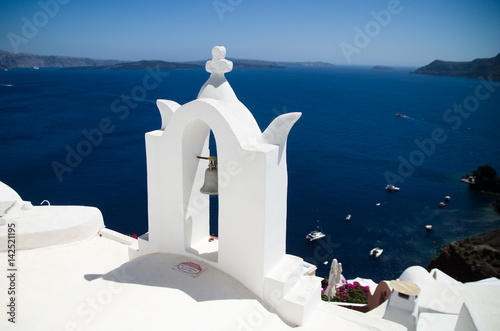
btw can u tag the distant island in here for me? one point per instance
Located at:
(164, 65)
(383, 68)
(156, 64)
(472, 69)
(24, 60)
(242, 63)
(247, 63)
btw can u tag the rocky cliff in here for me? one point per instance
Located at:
(485, 178)
(477, 257)
(471, 259)
(496, 206)
(472, 69)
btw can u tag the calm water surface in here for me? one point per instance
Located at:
(339, 153)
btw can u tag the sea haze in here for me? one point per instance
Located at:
(338, 152)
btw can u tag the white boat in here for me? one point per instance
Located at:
(348, 217)
(391, 188)
(428, 227)
(316, 234)
(36, 68)
(442, 204)
(377, 251)
(313, 235)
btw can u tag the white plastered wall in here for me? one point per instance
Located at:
(252, 190)
(252, 176)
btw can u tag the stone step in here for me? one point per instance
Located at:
(284, 275)
(293, 295)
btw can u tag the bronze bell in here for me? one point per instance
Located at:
(210, 186)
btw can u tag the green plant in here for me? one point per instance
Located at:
(351, 293)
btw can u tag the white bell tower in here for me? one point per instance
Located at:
(252, 192)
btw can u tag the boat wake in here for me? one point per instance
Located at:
(6, 85)
(421, 120)
(404, 116)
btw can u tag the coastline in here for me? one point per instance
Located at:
(471, 259)
(475, 257)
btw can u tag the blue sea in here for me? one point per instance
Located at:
(347, 146)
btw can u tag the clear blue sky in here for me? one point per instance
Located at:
(416, 33)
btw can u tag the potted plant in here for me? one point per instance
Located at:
(349, 293)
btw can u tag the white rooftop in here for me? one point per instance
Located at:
(92, 285)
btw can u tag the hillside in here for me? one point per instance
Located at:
(240, 63)
(156, 64)
(472, 69)
(24, 60)
(247, 63)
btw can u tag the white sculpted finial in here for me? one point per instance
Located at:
(217, 87)
(219, 65)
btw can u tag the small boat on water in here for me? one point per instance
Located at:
(348, 217)
(442, 204)
(428, 227)
(376, 252)
(447, 198)
(316, 234)
(392, 188)
(36, 68)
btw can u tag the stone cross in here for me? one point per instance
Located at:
(219, 65)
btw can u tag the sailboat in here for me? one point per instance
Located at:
(316, 234)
